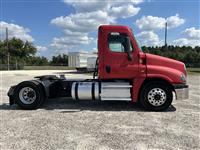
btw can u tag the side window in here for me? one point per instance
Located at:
(117, 41)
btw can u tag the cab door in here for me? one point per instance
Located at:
(116, 62)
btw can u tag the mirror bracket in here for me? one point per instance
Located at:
(127, 48)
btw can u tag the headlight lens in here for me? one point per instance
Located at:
(183, 78)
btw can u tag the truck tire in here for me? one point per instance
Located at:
(156, 96)
(29, 95)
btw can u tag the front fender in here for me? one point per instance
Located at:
(12, 91)
(169, 74)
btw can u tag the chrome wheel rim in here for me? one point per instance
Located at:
(27, 95)
(157, 97)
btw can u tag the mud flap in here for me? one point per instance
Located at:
(11, 95)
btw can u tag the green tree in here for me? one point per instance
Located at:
(37, 61)
(2, 52)
(189, 55)
(19, 50)
(61, 60)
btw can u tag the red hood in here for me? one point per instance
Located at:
(165, 62)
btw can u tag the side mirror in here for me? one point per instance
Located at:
(127, 48)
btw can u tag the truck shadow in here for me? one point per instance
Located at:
(65, 105)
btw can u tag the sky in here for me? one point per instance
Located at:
(62, 26)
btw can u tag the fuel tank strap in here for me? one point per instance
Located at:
(93, 91)
(76, 91)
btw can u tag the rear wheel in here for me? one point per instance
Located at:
(156, 96)
(29, 95)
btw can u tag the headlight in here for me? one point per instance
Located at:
(183, 78)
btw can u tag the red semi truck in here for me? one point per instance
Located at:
(123, 73)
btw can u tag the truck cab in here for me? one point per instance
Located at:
(120, 57)
(124, 73)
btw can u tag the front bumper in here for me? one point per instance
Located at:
(182, 91)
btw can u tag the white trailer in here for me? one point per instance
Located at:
(91, 61)
(79, 60)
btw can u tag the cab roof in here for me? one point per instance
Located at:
(114, 27)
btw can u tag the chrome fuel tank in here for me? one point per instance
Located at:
(85, 90)
(101, 91)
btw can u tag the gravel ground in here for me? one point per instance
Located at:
(66, 124)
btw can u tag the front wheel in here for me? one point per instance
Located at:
(156, 96)
(29, 95)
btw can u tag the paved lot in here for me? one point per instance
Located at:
(66, 124)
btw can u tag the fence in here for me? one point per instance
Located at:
(11, 67)
(25, 67)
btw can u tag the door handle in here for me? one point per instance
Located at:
(108, 68)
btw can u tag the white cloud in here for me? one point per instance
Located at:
(87, 5)
(124, 11)
(94, 5)
(16, 31)
(155, 23)
(181, 42)
(186, 42)
(82, 22)
(88, 16)
(76, 28)
(68, 42)
(175, 21)
(192, 33)
(41, 48)
(148, 38)
(150, 23)
(192, 38)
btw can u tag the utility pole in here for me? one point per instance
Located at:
(166, 34)
(7, 48)
(16, 64)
